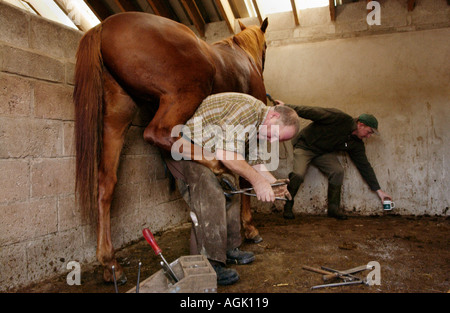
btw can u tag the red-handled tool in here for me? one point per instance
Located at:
(151, 240)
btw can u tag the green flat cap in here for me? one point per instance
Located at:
(369, 120)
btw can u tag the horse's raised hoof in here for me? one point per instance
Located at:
(256, 239)
(109, 279)
(227, 181)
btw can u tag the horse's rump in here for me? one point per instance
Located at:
(151, 56)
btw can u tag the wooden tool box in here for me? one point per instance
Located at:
(195, 274)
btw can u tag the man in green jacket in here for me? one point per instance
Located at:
(331, 130)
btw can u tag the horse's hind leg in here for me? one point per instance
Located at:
(119, 109)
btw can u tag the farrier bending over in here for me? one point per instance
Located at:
(216, 230)
(331, 130)
(224, 126)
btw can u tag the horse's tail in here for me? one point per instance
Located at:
(88, 100)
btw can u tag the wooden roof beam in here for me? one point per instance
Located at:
(194, 13)
(100, 9)
(259, 13)
(411, 5)
(127, 5)
(227, 13)
(332, 11)
(294, 10)
(161, 8)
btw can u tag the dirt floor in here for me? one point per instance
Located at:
(413, 253)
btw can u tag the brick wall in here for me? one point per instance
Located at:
(41, 229)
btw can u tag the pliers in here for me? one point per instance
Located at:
(247, 191)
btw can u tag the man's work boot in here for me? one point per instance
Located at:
(334, 202)
(294, 184)
(225, 276)
(236, 256)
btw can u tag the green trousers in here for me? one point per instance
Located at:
(326, 163)
(216, 224)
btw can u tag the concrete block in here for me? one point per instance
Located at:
(69, 139)
(70, 73)
(117, 232)
(22, 137)
(14, 180)
(351, 12)
(132, 225)
(140, 169)
(53, 101)
(280, 35)
(13, 264)
(314, 16)
(165, 215)
(31, 64)
(281, 21)
(216, 31)
(51, 177)
(15, 25)
(69, 214)
(315, 32)
(426, 15)
(89, 235)
(15, 96)
(49, 256)
(392, 14)
(126, 199)
(157, 192)
(53, 39)
(136, 145)
(27, 220)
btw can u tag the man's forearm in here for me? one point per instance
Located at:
(238, 165)
(261, 169)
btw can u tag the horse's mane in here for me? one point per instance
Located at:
(250, 40)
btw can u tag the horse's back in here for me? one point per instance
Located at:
(152, 55)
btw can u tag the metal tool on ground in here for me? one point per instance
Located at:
(247, 191)
(346, 283)
(166, 266)
(114, 277)
(346, 275)
(138, 277)
(316, 270)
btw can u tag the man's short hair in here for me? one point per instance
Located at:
(288, 116)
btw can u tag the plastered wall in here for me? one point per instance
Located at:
(398, 71)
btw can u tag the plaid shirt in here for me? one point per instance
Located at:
(228, 121)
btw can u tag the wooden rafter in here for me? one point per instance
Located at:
(161, 8)
(260, 14)
(294, 10)
(100, 9)
(332, 11)
(411, 5)
(239, 8)
(192, 10)
(227, 13)
(127, 5)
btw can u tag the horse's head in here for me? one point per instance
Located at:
(252, 40)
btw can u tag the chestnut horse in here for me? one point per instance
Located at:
(134, 60)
